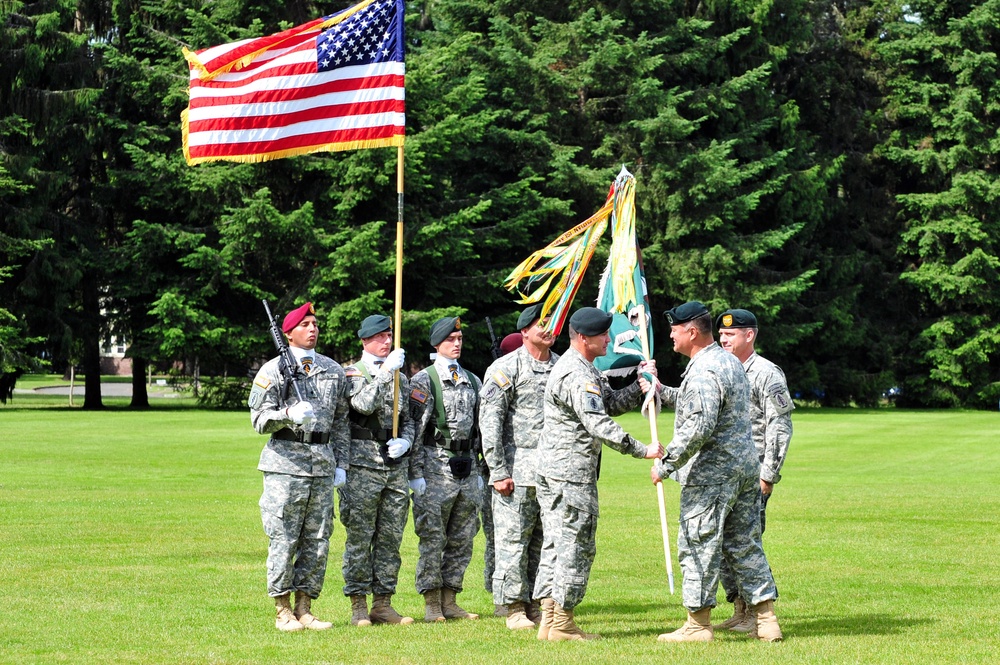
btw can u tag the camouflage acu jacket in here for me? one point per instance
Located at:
(712, 441)
(327, 390)
(511, 412)
(579, 405)
(770, 415)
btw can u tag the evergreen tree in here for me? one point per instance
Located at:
(941, 67)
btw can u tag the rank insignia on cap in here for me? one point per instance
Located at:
(727, 320)
(418, 395)
(593, 388)
(458, 324)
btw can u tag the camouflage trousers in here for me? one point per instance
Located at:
(490, 552)
(297, 512)
(569, 525)
(727, 576)
(518, 527)
(374, 507)
(446, 520)
(722, 522)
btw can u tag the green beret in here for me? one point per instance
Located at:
(373, 325)
(444, 327)
(686, 312)
(591, 321)
(736, 318)
(528, 316)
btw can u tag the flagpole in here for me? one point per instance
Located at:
(398, 314)
(654, 436)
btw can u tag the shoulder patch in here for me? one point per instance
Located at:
(592, 388)
(418, 395)
(263, 382)
(256, 397)
(501, 379)
(352, 371)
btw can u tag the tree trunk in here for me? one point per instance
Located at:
(90, 335)
(140, 396)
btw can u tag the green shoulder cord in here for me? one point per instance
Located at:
(442, 418)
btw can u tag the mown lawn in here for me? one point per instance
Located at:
(136, 538)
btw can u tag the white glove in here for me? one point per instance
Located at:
(300, 413)
(397, 447)
(419, 486)
(339, 477)
(394, 361)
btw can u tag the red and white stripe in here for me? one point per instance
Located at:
(279, 104)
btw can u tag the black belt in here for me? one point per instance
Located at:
(318, 438)
(380, 435)
(456, 445)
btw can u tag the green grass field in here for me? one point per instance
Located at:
(136, 538)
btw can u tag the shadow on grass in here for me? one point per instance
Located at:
(855, 624)
(815, 626)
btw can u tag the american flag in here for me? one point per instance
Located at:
(335, 83)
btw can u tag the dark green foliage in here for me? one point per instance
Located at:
(831, 166)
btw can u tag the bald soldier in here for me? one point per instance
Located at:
(305, 457)
(375, 501)
(771, 420)
(444, 399)
(578, 406)
(713, 458)
(510, 420)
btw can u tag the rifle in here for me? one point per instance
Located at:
(286, 362)
(494, 342)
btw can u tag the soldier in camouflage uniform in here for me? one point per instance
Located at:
(375, 500)
(510, 420)
(713, 458)
(304, 459)
(443, 403)
(578, 407)
(771, 419)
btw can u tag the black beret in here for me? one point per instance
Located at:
(528, 316)
(444, 327)
(686, 312)
(591, 321)
(373, 325)
(736, 318)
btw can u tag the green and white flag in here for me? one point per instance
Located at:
(623, 287)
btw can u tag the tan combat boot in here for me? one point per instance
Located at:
(450, 608)
(697, 628)
(564, 627)
(359, 611)
(742, 620)
(517, 617)
(533, 612)
(383, 611)
(285, 620)
(545, 623)
(432, 604)
(765, 627)
(303, 605)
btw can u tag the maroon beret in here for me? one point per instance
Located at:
(294, 317)
(511, 342)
